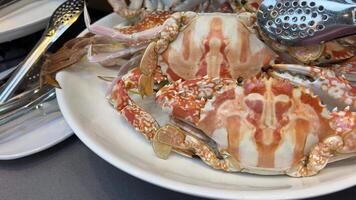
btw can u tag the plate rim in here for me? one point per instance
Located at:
(186, 188)
(26, 28)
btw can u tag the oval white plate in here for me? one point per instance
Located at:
(33, 132)
(27, 20)
(102, 129)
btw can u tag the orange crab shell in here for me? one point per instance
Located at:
(265, 124)
(217, 45)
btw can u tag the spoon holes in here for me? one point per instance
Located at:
(321, 8)
(299, 11)
(286, 25)
(311, 32)
(278, 30)
(324, 17)
(302, 34)
(291, 11)
(320, 27)
(294, 27)
(274, 14)
(307, 11)
(302, 26)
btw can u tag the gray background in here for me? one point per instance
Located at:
(70, 170)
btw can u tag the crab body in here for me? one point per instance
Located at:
(267, 125)
(217, 45)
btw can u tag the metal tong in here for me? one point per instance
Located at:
(63, 17)
(305, 22)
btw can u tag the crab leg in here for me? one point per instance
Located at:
(143, 36)
(317, 158)
(150, 5)
(160, 5)
(170, 136)
(126, 66)
(150, 57)
(347, 69)
(135, 115)
(187, 5)
(102, 57)
(120, 7)
(344, 123)
(135, 5)
(334, 90)
(344, 141)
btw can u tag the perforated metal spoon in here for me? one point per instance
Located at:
(63, 17)
(304, 22)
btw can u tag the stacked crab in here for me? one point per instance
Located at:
(231, 104)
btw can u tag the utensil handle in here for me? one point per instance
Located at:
(8, 117)
(30, 121)
(23, 68)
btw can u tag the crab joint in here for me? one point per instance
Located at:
(167, 138)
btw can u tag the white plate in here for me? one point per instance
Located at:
(27, 20)
(103, 130)
(33, 132)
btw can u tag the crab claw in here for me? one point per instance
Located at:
(333, 90)
(344, 123)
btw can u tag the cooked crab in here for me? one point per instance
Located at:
(127, 41)
(265, 126)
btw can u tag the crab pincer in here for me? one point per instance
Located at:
(334, 90)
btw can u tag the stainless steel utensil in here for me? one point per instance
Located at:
(63, 17)
(22, 99)
(33, 105)
(304, 22)
(31, 118)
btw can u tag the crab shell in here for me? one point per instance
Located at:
(217, 45)
(267, 125)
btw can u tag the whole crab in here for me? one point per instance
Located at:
(264, 126)
(190, 45)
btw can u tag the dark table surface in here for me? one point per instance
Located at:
(70, 170)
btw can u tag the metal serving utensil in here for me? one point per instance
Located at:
(304, 22)
(33, 105)
(63, 17)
